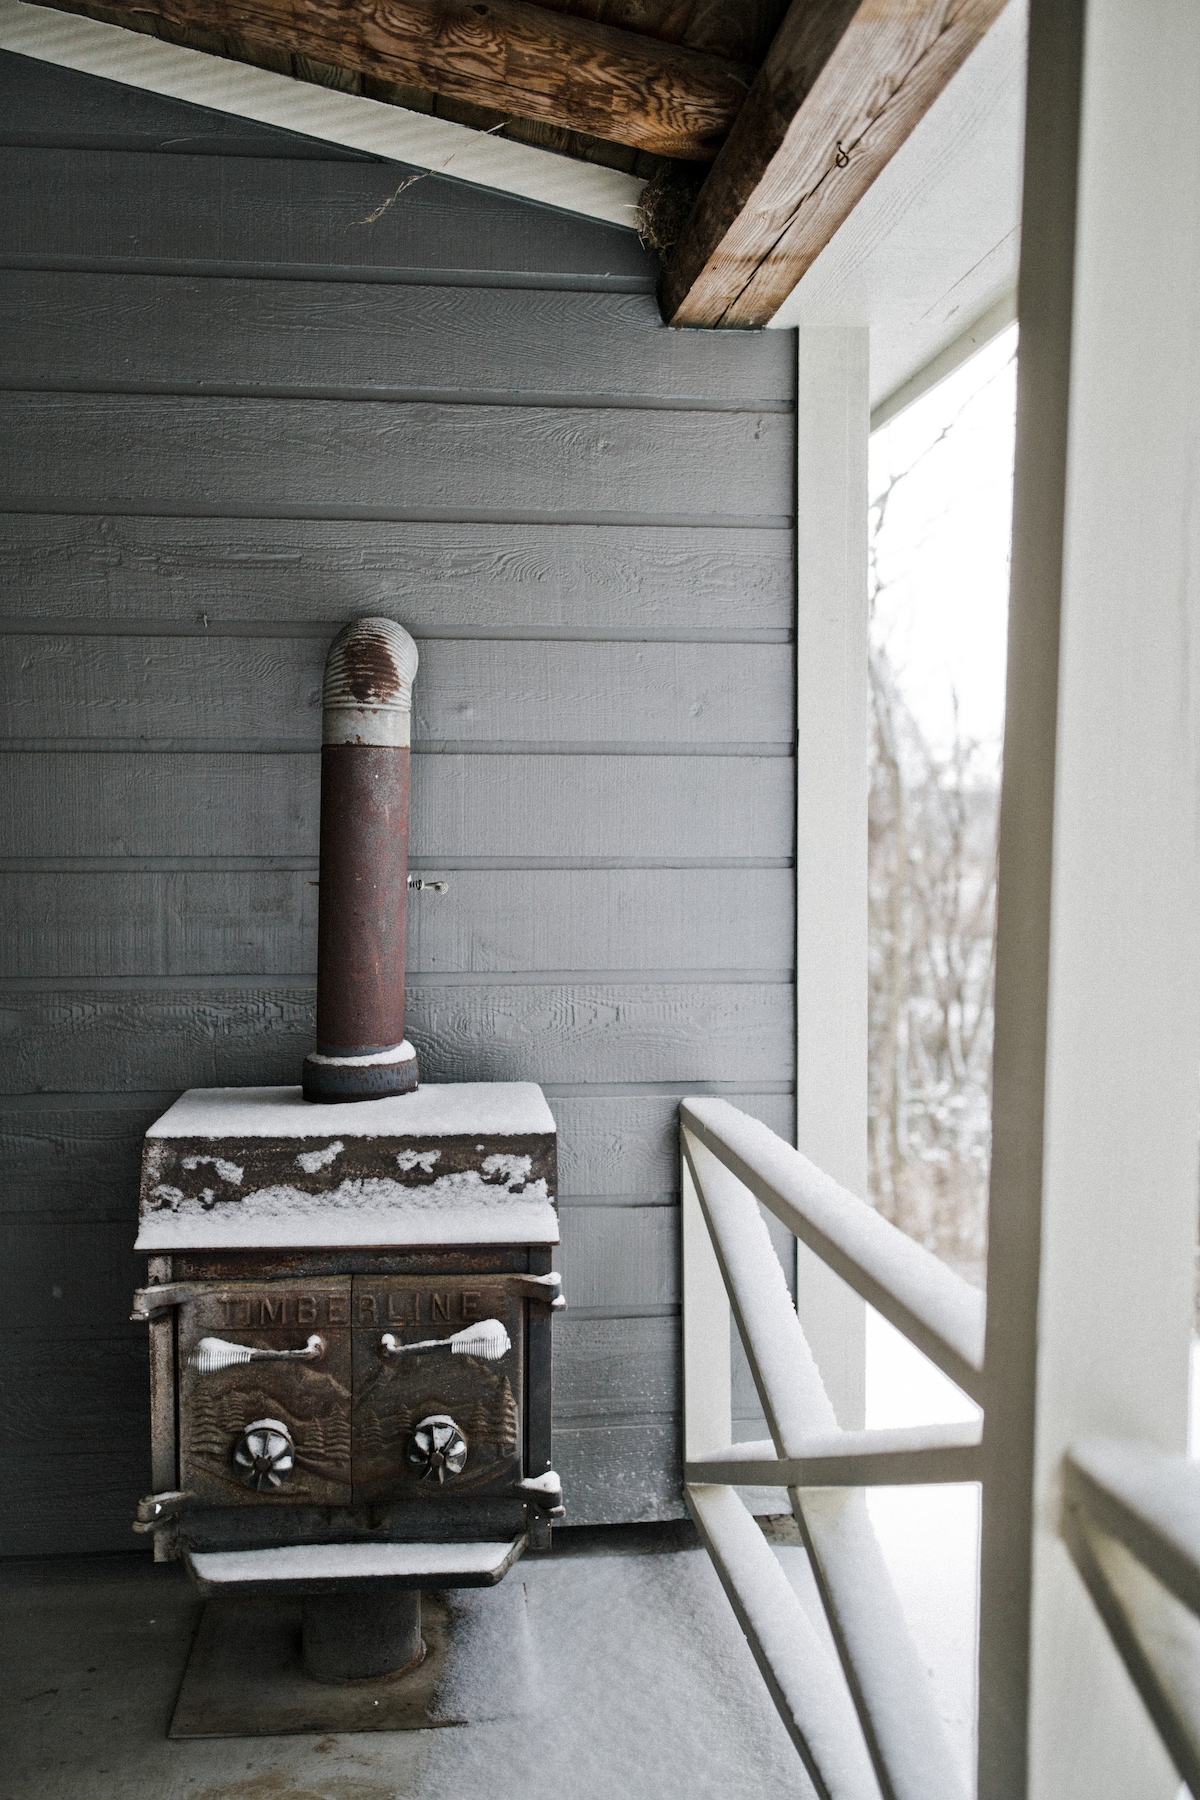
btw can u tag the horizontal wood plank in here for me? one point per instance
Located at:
(629, 1145)
(620, 1256)
(519, 59)
(614, 1442)
(65, 1156)
(70, 1278)
(142, 1035)
(287, 215)
(51, 1505)
(88, 452)
(609, 1369)
(620, 1475)
(519, 808)
(99, 331)
(263, 922)
(45, 105)
(438, 577)
(233, 690)
(100, 1384)
(76, 1277)
(612, 1475)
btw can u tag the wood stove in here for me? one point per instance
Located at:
(349, 1287)
(350, 1311)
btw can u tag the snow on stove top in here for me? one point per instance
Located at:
(453, 1109)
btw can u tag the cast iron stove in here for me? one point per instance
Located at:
(350, 1287)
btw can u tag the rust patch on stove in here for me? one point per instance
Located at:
(369, 669)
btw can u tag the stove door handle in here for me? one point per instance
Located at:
(155, 1511)
(486, 1338)
(544, 1492)
(546, 1288)
(155, 1302)
(213, 1353)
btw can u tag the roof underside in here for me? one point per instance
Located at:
(823, 163)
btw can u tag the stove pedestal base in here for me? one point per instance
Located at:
(246, 1676)
(356, 1637)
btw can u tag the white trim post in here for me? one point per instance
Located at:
(707, 1333)
(833, 422)
(1093, 1199)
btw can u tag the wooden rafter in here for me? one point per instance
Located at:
(740, 30)
(509, 55)
(842, 86)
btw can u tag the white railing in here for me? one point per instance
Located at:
(1131, 1520)
(868, 1728)
(865, 1724)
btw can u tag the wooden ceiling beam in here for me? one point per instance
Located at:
(509, 55)
(740, 30)
(842, 86)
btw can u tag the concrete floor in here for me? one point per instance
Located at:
(647, 1689)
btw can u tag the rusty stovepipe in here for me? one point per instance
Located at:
(361, 1051)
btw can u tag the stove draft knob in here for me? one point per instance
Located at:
(265, 1454)
(438, 1448)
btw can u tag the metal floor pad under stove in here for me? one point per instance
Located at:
(244, 1676)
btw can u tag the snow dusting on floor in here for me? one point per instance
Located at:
(645, 1690)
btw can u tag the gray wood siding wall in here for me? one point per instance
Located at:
(234, 416)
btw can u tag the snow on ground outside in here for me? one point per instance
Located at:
(929, 1535)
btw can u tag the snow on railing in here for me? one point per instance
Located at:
(870, 1729)
(938, 1311)
(1131, 1520)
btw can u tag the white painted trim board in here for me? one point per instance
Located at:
(832, 436)
(109, 51)
(986, 329)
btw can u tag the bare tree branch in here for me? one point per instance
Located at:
(932, 896)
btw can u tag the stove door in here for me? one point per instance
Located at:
(264, 1393)
(446, 1418)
